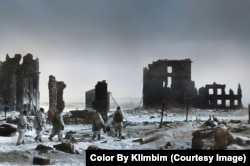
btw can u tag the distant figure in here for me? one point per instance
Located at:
(118, 122)
(97, 125)
(57, 123)
(39, 124)
(22, 127)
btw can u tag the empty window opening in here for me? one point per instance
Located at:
(219, 102)
(169, 82)
(211, 91)
(169, 69)
(235, 102)
(219, 92)
(227, 103)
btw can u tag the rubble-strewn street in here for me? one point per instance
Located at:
(141, 132)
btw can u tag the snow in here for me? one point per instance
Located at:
(144, 125)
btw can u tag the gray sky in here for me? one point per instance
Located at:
(82, 42)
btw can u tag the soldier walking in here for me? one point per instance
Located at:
(118, 122)
(57, 123)
(22, 127)
(97, 125)
(39, 124)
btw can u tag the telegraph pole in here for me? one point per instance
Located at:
(249, 113)
(187, 111)
(29, 95)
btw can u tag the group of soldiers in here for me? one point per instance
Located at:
(39, 125)
(116, 121)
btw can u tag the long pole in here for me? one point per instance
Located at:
(29, 96)
(249, 113)
(187, 112)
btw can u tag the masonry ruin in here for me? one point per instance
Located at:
(98, 98)
(56, 102)
(214, 96)
(169, 82)
(19, 83)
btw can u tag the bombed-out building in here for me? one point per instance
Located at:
(169, 82)
(98, 98)
(214, 96)
(19, 83)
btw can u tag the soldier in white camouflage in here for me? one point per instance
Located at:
(97, 125)
(39, 124)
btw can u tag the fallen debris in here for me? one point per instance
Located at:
(7, 130)
(222, 137)
(94, 147)
(41, 161)
(43, 148)
(66, 147)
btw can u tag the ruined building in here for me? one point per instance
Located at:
(56, 102)
(19, 83)
(98, 98)
(169, 82)
(214, 96)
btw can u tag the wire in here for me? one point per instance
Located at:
(113, 99)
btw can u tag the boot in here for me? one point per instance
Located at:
(50, 138)
(36, 139)
(40, 139)
(93, 138)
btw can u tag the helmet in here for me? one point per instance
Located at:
(42, 110)
(25, 112)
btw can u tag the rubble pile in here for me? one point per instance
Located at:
(217, 135)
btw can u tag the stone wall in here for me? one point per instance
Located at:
(19, 83)
(167, 81)
(56, 102)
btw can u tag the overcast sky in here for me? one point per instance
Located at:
(82, 42)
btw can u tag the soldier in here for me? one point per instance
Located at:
(97, 125)
(22, 127)
(57, 123)
(39, 124)
(118, 121)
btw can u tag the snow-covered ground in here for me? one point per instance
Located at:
(143, 124)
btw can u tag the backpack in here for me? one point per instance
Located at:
(118, 117)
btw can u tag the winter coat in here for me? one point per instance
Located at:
(97, 122)
(118, 116)
(57, 121)
(39, 120)
(22, 123)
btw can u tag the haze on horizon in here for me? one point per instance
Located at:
(83, 42)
